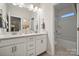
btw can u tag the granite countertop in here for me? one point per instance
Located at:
(19, 35)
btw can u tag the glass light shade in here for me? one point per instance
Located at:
(35, 9)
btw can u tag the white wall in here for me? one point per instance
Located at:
(19, 12)
(78, 31)
(77, 15)
(48, 10)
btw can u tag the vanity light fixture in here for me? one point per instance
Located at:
(15, 4)
(21, 5)
(30, 7)
(35, 9)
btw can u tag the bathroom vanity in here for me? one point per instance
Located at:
(16, 19)
(23, 45)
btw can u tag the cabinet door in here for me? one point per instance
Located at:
(20, 49)
(41, 44)
(6, 51)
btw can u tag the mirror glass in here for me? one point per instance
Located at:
(15, 24)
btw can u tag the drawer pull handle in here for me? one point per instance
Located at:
(31, 38)
(41, 41)
(78, 29)
(15, 48)
(12, 49)
(31, 45)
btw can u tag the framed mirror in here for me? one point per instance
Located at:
(15, 23)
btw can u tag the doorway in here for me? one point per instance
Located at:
(65, 29)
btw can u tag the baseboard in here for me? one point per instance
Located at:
(41, 53)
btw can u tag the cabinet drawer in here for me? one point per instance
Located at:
(31, 45)
(6, 42)
(11, 41)
(41, 37)
(19, 40)
(31, 52)
(31, 39)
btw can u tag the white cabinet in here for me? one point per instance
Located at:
(41, 44)
(36, 45)
(24, 46)
(16, 46)
(20, 49)
(17, 50)
(6, 51)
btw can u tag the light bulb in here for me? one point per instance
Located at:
(21, 5)
(15, 3)
(35, 9)
(31, 7)
(39, 10)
